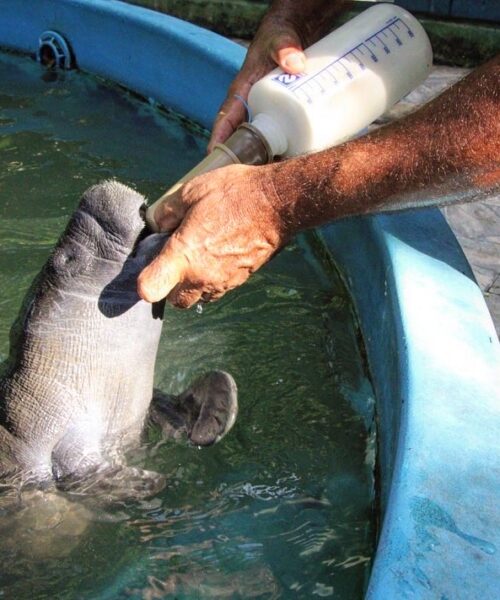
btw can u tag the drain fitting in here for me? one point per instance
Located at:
(54, 51)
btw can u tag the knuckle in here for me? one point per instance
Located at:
(183, 298)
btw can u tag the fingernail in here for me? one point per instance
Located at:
(295, 61)
(167, 223)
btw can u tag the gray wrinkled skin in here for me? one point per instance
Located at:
(79, 382)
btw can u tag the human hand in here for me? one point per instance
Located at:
(287, 28)
(277, 43)
(229, 227)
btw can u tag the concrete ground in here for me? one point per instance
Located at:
(477, 227)
(476, 224)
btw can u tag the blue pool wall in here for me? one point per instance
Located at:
(431, 345)
(177, 64)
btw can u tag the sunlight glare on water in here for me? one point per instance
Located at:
(283, 506)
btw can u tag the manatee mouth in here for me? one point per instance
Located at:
(145, 231)
(105, 246)
(142, 211)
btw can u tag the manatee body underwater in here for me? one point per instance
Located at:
(77, 391)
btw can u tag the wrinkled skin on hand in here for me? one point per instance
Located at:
(230, 227)
(236, 218)
(288, 27)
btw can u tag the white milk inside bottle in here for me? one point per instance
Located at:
(353, 75)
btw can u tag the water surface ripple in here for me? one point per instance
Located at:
(282, 508)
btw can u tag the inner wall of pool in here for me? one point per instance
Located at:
(284, 505)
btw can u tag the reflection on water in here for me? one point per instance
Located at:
(283, 506)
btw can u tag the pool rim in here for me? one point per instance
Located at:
(423, 317)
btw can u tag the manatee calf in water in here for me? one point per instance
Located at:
(78, 387)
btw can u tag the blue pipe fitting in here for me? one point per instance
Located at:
(54, 51)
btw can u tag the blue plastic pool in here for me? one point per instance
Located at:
(431, 346)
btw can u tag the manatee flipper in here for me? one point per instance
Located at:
(204, 412)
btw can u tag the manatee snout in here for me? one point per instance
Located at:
(117, 211)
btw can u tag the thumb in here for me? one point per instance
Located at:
(167, 270)
(169, 210)
(287, 52)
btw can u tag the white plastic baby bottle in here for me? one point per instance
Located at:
(353, 75)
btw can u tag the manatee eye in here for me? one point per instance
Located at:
(67, 261)
(63, 258)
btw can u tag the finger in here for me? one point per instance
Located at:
(231, 115)
(291, 60)
(222, 130)
(166, 271)
(212, 296)
(170, 211)
(288, 53)
(183, 297)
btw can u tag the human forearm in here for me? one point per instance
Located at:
(450, 145)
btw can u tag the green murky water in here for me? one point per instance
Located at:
(283, 507)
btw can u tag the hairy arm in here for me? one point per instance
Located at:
(449, 150)
(231, 221)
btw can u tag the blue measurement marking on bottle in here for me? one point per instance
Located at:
(386, 40)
